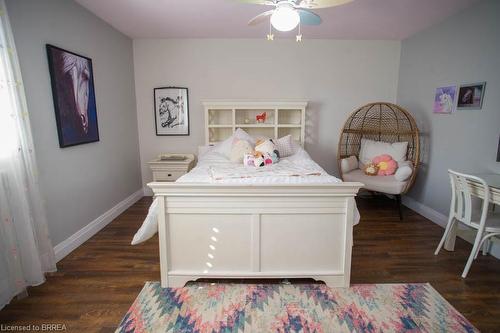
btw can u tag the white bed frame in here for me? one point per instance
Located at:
(255, 231)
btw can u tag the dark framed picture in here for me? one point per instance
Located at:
(171, 111)
(470, 96)
(73, 92)
(498, 150)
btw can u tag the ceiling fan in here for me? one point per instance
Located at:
(288, 14)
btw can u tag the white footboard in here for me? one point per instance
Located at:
(257, 231)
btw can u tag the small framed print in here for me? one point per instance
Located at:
(444, 99)
(470, 96)
(171, 111)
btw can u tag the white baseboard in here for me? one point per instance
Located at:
(78, 238)
(425, 211)
(441, 219)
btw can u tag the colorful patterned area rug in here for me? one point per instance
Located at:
(205, 307)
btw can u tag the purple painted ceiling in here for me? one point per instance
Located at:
(360, 19)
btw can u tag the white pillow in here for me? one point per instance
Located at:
(239, 149)
(348, 164)
(202, 150)
(404, 171)
(225, 146)
(285, 146)
(370, 149)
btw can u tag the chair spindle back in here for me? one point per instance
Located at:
(464, 187)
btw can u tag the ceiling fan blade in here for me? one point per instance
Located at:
(319, 3)
(261, 17)
(259, 2)
(308, 18)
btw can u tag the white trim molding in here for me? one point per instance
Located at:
(425, 211)
(441, 220)
(78, 238)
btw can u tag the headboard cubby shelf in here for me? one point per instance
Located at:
(223, 117)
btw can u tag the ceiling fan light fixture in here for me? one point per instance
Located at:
(285, 18)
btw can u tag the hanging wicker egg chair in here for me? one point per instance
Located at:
(380, 121)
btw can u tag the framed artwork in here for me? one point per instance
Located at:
(171, 111)
(72, 81)
(498, 150)
(470, 96)
(444, 100)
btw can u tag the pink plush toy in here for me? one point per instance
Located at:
(386, 165)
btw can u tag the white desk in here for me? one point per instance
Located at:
(493, 181)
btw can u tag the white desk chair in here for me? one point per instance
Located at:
(463, 187)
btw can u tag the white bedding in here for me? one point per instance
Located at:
(299, 168)
(213, 167)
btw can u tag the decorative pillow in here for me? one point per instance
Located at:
(285, 146)
(239, 149)
(385, 164)
(371, 149)
(202, 150)
(265, 153)
(225, 146)
(404, 171)
(262, 159)
(348, 164)
(266, 146)
(371, 169)
(249, 160)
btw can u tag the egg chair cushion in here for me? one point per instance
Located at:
(384, 184)
(404, 171)
(370, 149)
(348, 164)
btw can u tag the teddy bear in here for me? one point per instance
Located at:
(371, 169)
(386, 165)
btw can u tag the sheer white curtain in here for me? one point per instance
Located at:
(26, 251)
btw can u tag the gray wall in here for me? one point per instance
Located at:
(463, 49)
(335, 76)
(82, 182)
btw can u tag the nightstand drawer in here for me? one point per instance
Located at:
(167, 176)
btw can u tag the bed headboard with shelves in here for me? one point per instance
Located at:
(223, 117)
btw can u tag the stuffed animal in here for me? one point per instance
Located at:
(259, 160)
(371, 169)
(267, 146)
(265, 153)
(261, 118)
(386, 165)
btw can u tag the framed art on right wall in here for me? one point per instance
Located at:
(470, 96)
(444, 99)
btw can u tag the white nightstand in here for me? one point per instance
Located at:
(171, 170)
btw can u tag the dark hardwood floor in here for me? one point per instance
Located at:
(96, 284)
